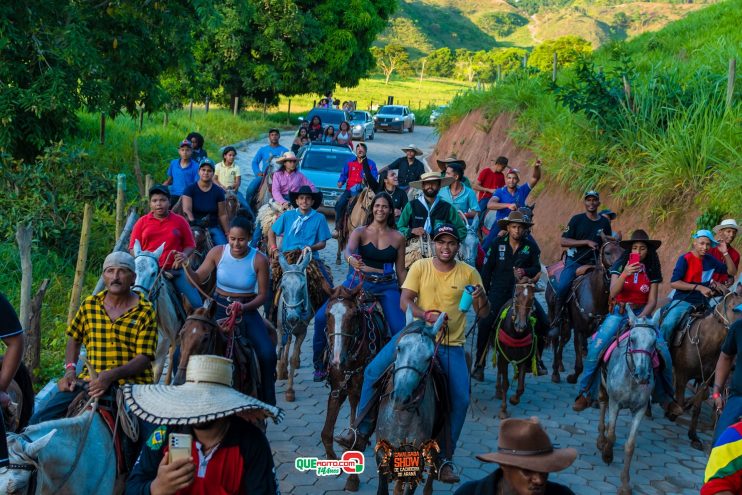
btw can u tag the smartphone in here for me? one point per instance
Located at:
(179, 446)
(634, 258)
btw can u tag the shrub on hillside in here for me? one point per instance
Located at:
(568, 49)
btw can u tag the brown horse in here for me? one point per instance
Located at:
(204, 244)
(696, 356)
(515, 341)
(353, 341)
(359, 209)
(585, 308)
(231, 204)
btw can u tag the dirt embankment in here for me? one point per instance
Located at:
(477, 141)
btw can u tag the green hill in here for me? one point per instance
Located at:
(422, 26)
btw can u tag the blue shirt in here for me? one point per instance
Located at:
(182, 177)
(519, 198)
(313, 229)
(205, 203)
(465, 202)
(262, 157)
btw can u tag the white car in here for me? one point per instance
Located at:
(362, 125)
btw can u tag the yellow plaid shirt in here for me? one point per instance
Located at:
(111, 344)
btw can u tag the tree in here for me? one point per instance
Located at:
(465, 64)
(441, 63)
(568, 50)
(390, 58)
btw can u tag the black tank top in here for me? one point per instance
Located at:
(376, 258)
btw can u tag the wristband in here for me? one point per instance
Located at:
(70, 366)
(717, 387)
(715, 395)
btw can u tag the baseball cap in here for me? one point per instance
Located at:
(609, 213)
(207, 162)
(446, 229)
(119, 259)
(707, 234)
(159, 189)
(186, 143)
(592, 193)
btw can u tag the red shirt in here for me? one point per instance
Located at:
(719, 277)
(173, 230)
(491, 180)
(635, 289)
(222, 474)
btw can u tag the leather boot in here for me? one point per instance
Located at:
(352, 440)
(446, 474)
(581, 403)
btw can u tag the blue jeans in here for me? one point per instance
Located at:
(256, 234)
(678, 309)
(252, 188)
(243, 203)
(453, 362)
(217, 236)
(183, 286)
(613, 323)
(730, 415)
(55, 407)
(388, 294)
(565, 279)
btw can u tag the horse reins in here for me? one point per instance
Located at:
(629, 352)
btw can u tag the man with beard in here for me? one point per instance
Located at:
(119, 331)
(428, 212)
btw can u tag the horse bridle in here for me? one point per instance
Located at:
(532, 305)
(302, 302)
(629, 353)
(148, 292)
(209, 322)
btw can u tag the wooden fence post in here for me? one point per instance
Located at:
(554, 68)
(730, 81)
(207, 104)
(120, 201)
(122, 244)
(236, 105)
(141, 118)
(190, 110)
(147, 185)
(265, 106)
(82, 259)
(164, 120)
(288, 113)
(23, 235)
(102, 128)
(32, 353)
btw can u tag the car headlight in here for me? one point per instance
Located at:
(396, 119)
(358, 127)
(376, 118)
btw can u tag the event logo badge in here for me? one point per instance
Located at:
(351, 462)
(406, 463)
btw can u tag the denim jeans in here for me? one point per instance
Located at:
(731, 414)
(613, 323)
(243, 203)
(341, 205)
(388, 294)
(217, 236)
(252, 188)
(673, 317)
(55, 407)
(565, 279)
(183, 286)
(257, 234)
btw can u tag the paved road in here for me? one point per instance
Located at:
(664, 462)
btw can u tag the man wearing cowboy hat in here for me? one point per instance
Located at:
(511, 257)
(119, 331)
(354, 174)
(725, 232)
(512, 196)
(425, 213)
(409, 167)
(526, 457)
(228, 453)
(443, 165)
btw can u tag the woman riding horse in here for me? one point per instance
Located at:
(242, 286)
(634, 286)
(205, 199)
(375, 253)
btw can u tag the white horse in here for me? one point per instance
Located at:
(470, 244)
(167, 303)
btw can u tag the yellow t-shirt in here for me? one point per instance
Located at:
(226, 175)
(441, 291)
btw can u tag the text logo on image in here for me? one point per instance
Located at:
(351, 462)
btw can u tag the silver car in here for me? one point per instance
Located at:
(362, 125)
(436, 113)
(394, 118)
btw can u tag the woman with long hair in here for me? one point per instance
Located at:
(315, 128)
(375, 253)
(301, 133)
(329, 135)
(344, 136)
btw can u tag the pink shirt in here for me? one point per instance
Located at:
(284, 182)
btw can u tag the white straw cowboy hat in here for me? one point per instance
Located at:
(452, 159)
(206, 395)
(412, 147)
(430, 177)
(287, 157)
(729, 223)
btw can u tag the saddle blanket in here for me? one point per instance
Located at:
(614, 344)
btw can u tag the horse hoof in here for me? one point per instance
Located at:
(282, 375)
(515, 400)
(697, 444)
(607, 456)
(503, 414)
(572, 378)
(625, 490)
(352, 484)
(290, 396)
(561, 368)
(555, 378)
(600, 444)
(338, 262)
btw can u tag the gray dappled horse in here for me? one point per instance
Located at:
(405, 415)
(627, 383)
(167, 303)
(294, 312)
(470, 244)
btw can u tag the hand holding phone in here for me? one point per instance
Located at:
(179, 446)
(634, 258)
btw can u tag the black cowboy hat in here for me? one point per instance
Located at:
(306, 190)
(640, 236)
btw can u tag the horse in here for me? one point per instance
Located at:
(204, 243)
(263, 195)
(627, 382)
(515, 340)
(697, 353)
(231, 204)
(418, 248)
(168, 306)
(407, 410)
(353, 340)
(585, 308)
(470, 245)
(359, 209)
(267, 216)
(21, 394)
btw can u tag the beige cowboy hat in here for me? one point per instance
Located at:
(430, 177)
(206, 395)
(451, 159)
(729, 223)
(640, 236)
(523, 443)
(514, 217)
(287, 157)
(412, 147)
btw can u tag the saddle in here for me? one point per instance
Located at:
(686, 322)
(373, 320)
(555, 271)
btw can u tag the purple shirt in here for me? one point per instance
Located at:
(284, 182)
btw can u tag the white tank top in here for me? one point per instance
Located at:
(237, 276)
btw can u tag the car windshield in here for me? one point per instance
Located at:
(391, 110)
(358, 115)
(326, 161)
(328, 117)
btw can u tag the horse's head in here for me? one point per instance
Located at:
(610, 251)
(414, 354)
(343, 325)
(294, 291)
(470, 245)
(24, 460)
(726, 310)
(231, 203)
(524, 296)
(147, 266)
(641, 345)
(199, 332)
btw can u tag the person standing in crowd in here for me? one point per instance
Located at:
(262, 161)
(389, 180)
(197, 143)
(443, 166)
(205, 200)
(726, 232)
(409, 167)
(344, 136)
(227, 176)
(301, 134)
(329, 135)
(459, 195)
(512, 196)
(489, 180)
(315, 129)
(353, 176)
(11, 333)
(182, 172)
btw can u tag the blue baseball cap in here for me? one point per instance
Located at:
(592, 193)
(708, 234)
(186, 143)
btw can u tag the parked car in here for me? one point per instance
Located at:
(362, 125)
(436, 113)
(329, 117)
(394, 118)
(322, 164)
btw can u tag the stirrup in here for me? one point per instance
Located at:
(439, 468)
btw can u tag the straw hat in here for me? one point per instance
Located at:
(430, 177)
(206, 395)
(288, 156)
(412, 147)
(523, 443)
(451, 159)
(729, 223)
(639, 236)
(514, 217)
